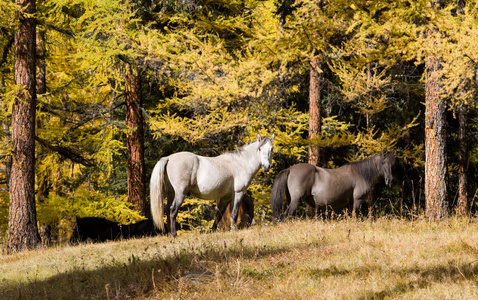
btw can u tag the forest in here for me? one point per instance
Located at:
(115, 85)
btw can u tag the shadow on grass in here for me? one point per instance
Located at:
(138, 277)
(416, 279)
(412, 278)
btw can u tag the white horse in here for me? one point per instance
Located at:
(224, 177)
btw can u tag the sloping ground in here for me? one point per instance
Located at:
(344, 259)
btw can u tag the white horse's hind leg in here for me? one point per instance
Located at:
(170, 199)
(174, 209)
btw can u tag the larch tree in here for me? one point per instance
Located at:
(311, 32)
(135, 141)
(315, 109)
(435, 128)
(462, 202)
(106, 41)
(457, 23)
(23, 230)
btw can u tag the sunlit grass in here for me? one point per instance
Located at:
(345, 259)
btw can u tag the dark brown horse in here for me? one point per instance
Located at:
(335, 188)
(245, 215)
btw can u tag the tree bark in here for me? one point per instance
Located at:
(462, 205)
(435, 142)
(22, 225)
(135, 142)
(315, 118)
(314, 109)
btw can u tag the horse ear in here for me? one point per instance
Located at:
(272, 138)
(258, 137)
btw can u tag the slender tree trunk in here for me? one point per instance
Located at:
(22, 226)
(462, 206)
(314, 109)
(369, 118)
(135, 143)
(435, 142)
(315, 118)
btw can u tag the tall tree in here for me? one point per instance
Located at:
(135, 141)
(315, 118)
(462, 203)
(435, 131)
(23, 230)
(315, 108)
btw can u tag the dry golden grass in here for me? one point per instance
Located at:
(345, 259)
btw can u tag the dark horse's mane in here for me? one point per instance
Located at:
(367, 167)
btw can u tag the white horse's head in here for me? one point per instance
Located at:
(265, 151)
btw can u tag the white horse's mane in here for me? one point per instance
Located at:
(241, 149)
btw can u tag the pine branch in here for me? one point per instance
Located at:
(68, 153)
(92, 110)
(67, 84)
(61, 30)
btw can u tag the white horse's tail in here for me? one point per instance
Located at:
(156, 192)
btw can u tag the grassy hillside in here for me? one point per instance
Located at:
(344, 259)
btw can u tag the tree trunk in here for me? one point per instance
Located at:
(462, 206)
(22, 226)
(315, 119)
(135, 143)
(435, 142)
(369, 116)
(314, 109)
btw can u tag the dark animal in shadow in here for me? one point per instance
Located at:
(99, 230)
(245, 214)
(344, 187)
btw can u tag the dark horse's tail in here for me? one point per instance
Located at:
(277, 196)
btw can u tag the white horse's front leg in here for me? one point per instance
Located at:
(235, 209)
